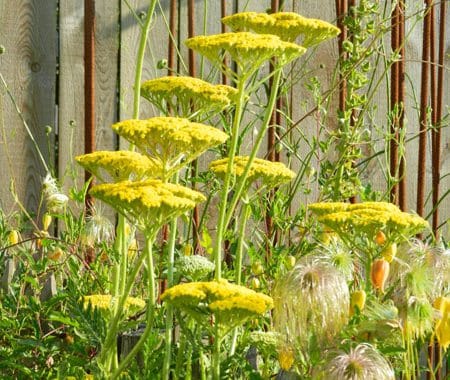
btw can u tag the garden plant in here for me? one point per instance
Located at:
(347, 287)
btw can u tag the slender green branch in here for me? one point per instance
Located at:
(265, 125)
(140, 58)
(148, 254)
(221, 225)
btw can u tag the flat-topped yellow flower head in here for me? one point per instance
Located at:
(119, 166)
(248, 50)
(148, 203)
(368, 218)
(286, 25)
(171, 142)
(230, 304)
(323, 208)
(106, 303)
(187, 96)
(271, 174)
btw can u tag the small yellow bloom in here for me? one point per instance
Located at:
(389, 252)
(286, 357)
(442, 329)
(13, 237)
(357, 300)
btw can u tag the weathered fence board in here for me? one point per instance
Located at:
(71, 81)
(28, 32)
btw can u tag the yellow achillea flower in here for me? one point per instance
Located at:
(443, 325)
(286, 25)
(368, 217)
(119, 166)
(186, 96)
(323, 208)
(170, 142)
(106, 302)
(230, 304)
(270, 173)
(148, 203)
(248, 50)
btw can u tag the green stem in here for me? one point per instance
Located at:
(111, 336)
(148, 254)
(238, 262)
(216, 353)
(169, 316)
(180, 356)
(265, 125)
(221, 225)
(140, 58)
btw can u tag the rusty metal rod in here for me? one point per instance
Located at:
(402, 193)
(437, 112)
(223, 29)
(271, 156)
(421, 173)
(341, 11)
(394, 103)
(172, 27)
(89, 86)
(192, 73)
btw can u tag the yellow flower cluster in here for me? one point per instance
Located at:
(443, 324)
(286, 25)
(230, 304)
(248, 50)
(369, 217)
(186, 95)
(106, 302)
(271, 174)
(148, 203)
(323, 208)
(119, 166)
(170, 142)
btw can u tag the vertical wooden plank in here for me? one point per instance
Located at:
(107, 39)
(28, 32)
(71, 86)
(155, 52)
(71, 91)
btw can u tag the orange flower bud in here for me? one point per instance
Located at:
(380, 238)
(56, 254)
(379, 273)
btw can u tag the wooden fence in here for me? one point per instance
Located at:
(43, 66)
